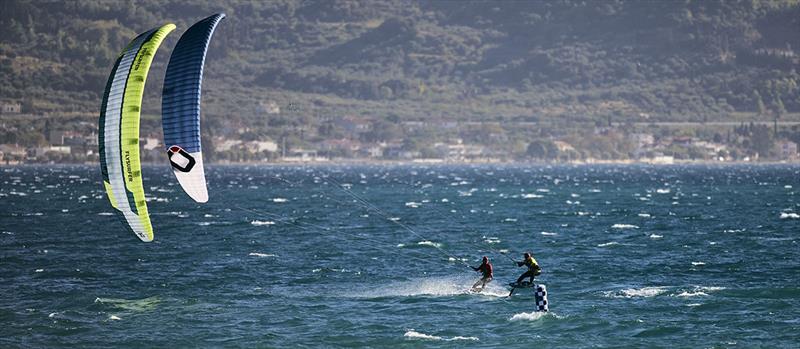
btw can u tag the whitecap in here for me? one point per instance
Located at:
(492, 240)
(430, 286)
(698, 263)
(644, 215)
(260, 223)
(531, 196)
(532, 316)
(656, 236)
(279, 200)
(644, 292)
(692, 294)
(429, 243)
(612, 243)
(411, 334)
(510, 220)
(257, 254)
(548, 233)
(624, 226)
(412, 204)
(789, 215)
(733, 230)
(114, 317)
(663, 191)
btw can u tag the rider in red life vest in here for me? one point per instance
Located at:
(486, 269)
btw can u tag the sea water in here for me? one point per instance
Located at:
(330, 256)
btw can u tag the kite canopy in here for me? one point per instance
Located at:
(119, 130)
(180, 106)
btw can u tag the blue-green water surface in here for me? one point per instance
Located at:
(376, 256)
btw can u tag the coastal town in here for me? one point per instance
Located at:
(31, 138)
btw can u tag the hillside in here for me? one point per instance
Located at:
(560, 63)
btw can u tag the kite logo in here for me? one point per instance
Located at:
(180, 159)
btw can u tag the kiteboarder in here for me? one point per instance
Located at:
(533, 268)
(486, 269)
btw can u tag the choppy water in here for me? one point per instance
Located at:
(633, 256)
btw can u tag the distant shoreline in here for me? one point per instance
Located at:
(438, 163)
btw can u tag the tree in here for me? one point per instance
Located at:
(760, 107)
(761, 140)
(542, 149)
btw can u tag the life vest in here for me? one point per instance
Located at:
(533, 266)
(486, 269)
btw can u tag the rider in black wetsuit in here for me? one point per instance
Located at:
(533, 267)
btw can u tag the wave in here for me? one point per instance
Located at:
(430, 243)
(143, 304)
(532, 316)
(624, 226)
(257, 254)
(432, 286)
(260, 223)
(692, 294)
(656, 236)
(734, 230)
(644, 292)
(612, 243)
(411, 334)
(699, 291)
(492, 240)
(789, 215)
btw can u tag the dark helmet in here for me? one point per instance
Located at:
(527, 254)
(485, 259)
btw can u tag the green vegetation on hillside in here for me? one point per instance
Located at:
(562, 65)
